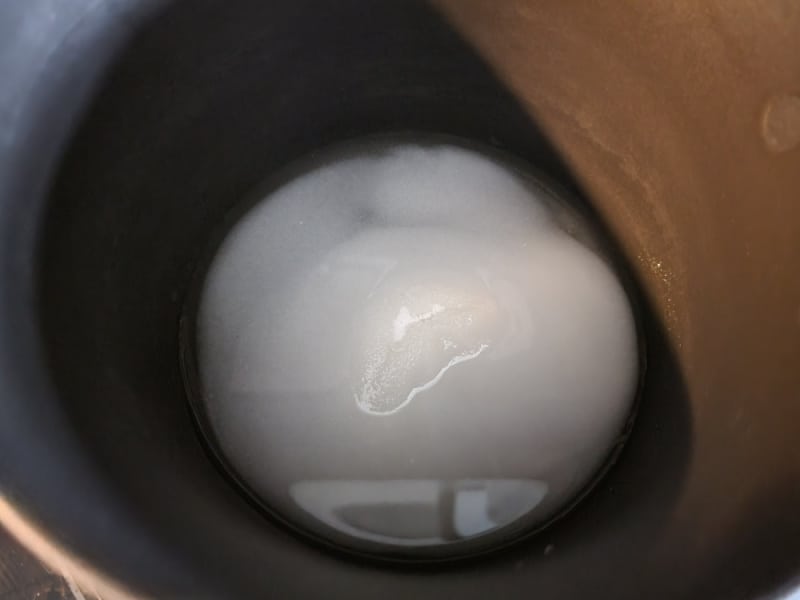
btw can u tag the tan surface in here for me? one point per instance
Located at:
(675, 114)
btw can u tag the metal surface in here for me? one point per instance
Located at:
(677, 120)
(22, 576)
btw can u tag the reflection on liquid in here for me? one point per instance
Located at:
(412, 335)
(418, 512)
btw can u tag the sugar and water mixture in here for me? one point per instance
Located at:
(414, 348)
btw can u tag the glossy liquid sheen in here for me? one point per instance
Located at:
(414, 350)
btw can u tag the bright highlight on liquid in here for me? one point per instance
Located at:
(414, 348)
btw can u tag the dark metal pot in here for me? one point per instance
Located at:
(128, 128)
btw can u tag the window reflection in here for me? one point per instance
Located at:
(418, 512)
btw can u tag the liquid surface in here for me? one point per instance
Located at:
(413, 349)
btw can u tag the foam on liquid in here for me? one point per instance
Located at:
(414, 347)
